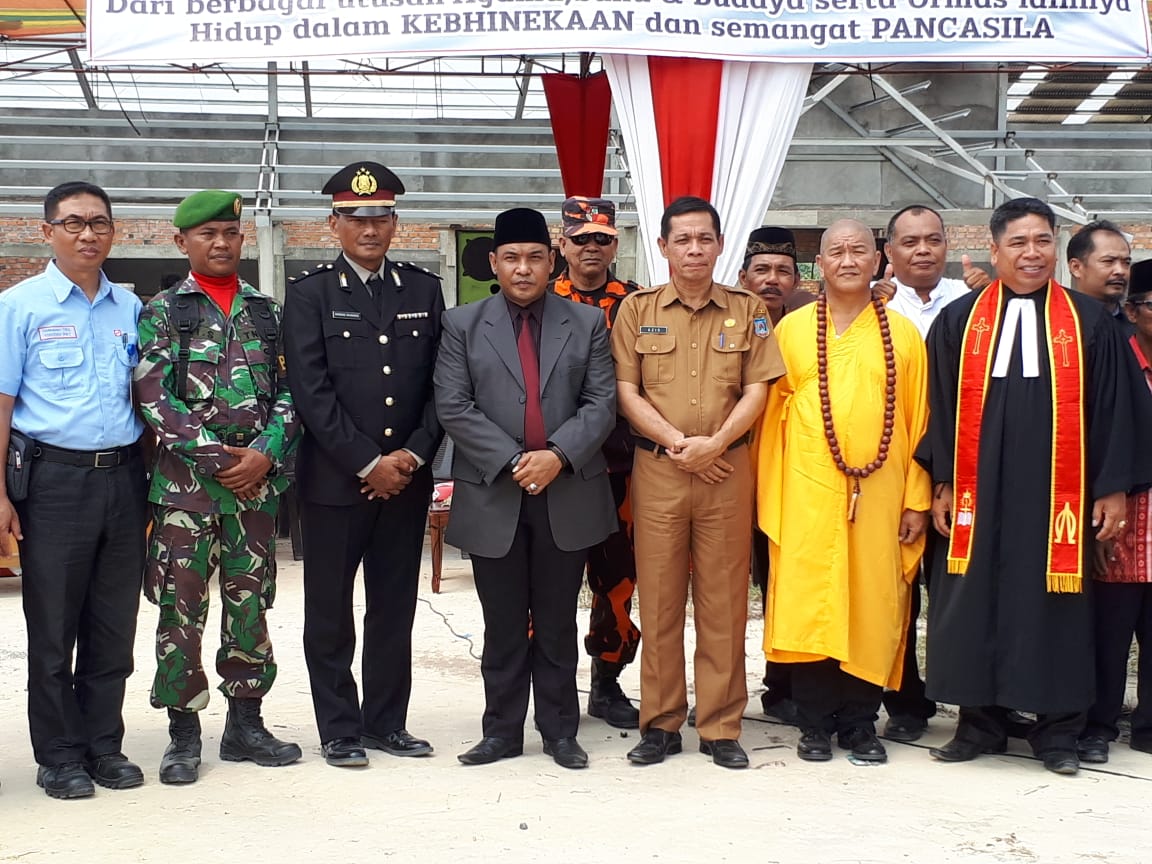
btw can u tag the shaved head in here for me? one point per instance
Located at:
(848, 258)
(843, 228)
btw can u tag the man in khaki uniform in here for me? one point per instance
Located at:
(693, 364)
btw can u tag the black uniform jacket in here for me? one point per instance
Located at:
(360, 372)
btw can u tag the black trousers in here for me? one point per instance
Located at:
(530, 638)
(388, 537)
(909, 700)
(829, 698)
(83, 558)
(1123, 609)
(777, 676)
(987, 726)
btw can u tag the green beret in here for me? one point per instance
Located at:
(210, 205)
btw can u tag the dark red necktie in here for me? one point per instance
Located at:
(535, 438)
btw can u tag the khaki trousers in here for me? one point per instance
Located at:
(683, 522)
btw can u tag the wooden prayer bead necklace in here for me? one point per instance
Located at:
(826, 404)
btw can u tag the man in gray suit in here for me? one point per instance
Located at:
(525, 387)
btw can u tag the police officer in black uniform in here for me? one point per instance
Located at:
(360, 338)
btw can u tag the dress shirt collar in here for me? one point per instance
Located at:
(535, 308)
(909, 293)
(62, 286)
(668, 296)
(363, 274)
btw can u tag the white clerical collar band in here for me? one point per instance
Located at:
(1022, 312)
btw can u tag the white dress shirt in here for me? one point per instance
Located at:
(908, 303)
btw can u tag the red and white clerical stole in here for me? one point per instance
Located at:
(1065, 351)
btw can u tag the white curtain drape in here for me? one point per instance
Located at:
(759, 106)
(632, 98)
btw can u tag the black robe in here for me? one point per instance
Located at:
(996, 636)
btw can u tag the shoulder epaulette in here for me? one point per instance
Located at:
(408, 265)
(640, 289)
(304, 274)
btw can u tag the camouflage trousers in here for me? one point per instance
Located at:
(185, 549)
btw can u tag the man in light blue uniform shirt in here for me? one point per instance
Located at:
(67, 348)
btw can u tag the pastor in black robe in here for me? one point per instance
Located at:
(996, 636)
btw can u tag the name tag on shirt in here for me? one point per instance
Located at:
(59, 331)
(409, 316)
(652, 328)
(345, 316)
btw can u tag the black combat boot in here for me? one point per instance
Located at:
(181, 762)
(606, 700)
(245, 737)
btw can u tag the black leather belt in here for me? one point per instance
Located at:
(84, 458)
(651, 446)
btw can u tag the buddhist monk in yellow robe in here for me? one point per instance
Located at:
(841, 498)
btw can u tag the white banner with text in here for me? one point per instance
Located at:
(861, 31)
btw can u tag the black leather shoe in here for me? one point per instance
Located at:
(345, 753)
(904, 727)
(566, 752)
(783, 710)
(1061, 762)
(606, 700)
(654, 745)
(815, 745)
(398, 743)
(691, 721)
(959, 750)
(114, 771)
(69, 780)
(725, 752)
(1143, 743)
(864, 745)
(1092, 748)
(490, 750)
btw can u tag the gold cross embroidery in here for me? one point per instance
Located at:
(1063, 340)
(981, 327)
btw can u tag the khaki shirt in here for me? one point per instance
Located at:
(693, 365)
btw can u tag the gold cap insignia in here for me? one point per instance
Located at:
(363, 184)
(237, 205)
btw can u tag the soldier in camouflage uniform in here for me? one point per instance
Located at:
(211, 386)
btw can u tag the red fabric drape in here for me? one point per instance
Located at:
(686, 101)
(580, 110)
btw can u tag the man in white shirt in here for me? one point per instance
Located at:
(917, 252)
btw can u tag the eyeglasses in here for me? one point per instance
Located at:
(601, 239)
(1147, 304)
(76, 225)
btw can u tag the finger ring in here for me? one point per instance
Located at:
(1123, 523)
(532, 487)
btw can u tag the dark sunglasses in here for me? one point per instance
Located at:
(601, 239)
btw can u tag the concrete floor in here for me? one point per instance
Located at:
(1004, 808)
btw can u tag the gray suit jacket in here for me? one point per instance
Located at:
(480, 401)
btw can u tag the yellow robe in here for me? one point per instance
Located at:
(836, 588)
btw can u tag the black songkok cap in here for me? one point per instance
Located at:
(1140, 278)
(521, 225)
(771, 241)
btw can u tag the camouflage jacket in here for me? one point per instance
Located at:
(229, 391)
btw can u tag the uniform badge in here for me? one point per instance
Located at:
(760, 327)
(652, 328)
(363, 183)
(237, 206)
(59, 331)
(730, 322)
(410, 316)
(343, 315)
